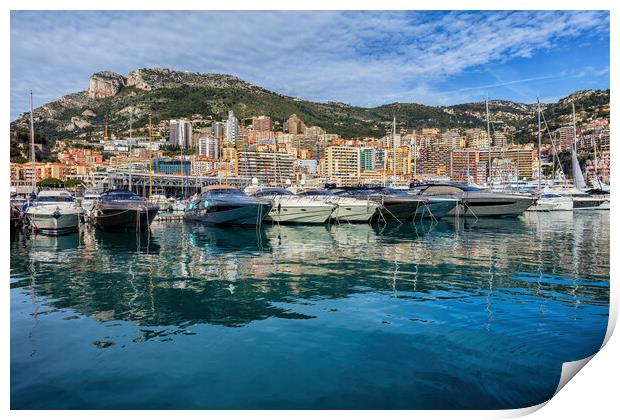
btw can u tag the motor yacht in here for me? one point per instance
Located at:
(476, 202)
(582, 199)
(88, 201)
(550, 201)
(122, 210)
(161, 201)
(393, 204)
(53, 212)
(348, 209)
(225, 205)
(290, 208)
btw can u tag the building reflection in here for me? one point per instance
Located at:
(183, 274)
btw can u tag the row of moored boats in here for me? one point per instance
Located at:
(58, 211)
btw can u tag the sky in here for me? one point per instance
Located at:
(364, 58)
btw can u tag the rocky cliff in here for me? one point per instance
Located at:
(105, 84)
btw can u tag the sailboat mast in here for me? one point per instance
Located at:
(33, 158)
(539, 142)
(394, 144)
(489, 140)
(130, 144)
(574, 128)
(150, 159)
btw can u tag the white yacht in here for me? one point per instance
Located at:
(550, 201)
(348, 209)
(290, 208)
(161, 201)
(89, 199)
(475, 202)
(53, 212)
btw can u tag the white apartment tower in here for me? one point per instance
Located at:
(232, 128)
(181, 133)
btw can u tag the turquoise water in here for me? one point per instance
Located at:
(426, 315)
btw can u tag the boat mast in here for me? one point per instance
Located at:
(578, 180)
(539, 142)
(489, 140)
(150, 159)
(394, 144)
(415, 158)
(130, 144)
(599, 182)
(33, 158)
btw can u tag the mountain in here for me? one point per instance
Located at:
(165, 94)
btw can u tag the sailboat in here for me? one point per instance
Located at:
(582, 199)
(548, 200)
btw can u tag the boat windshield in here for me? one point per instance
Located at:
(355, 192)
(223, 191)
(54, 199)
(120, 195)
(393, 191)
(316, 192)
(468, 188)
(273, 191)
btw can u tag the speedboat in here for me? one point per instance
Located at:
(587, 201)
(226, 205)
(393, 203)
(348, 209)
(436, 207)
(53, 212)
(122, 209)
(476, 202)
(160, 200)
(549, 201)
(290, 208)
(592, 199)
(88, 201)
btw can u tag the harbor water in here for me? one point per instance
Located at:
(455, 314)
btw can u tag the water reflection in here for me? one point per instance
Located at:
(184, 274)
(447, 314)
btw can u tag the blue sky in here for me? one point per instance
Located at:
(365, 58)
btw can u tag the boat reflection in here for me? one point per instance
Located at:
(182, 275)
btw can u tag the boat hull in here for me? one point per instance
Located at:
(55, 223)
(239, 214)
(354, 213)
(552, 204)
(123, 219)
(498, 207)
(299, 214)
(590, 203)
(435, 208)
(400, 210)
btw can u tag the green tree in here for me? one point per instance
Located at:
(50, 182)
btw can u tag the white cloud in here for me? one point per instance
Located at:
(365, 58)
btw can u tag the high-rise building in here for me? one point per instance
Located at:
(181, 133)
(341, 164)
(401, 157)
(232, 128)
(453, 139)
(477, 138)
(209, 147)
(218, 130)
(267, 167)
(367, 159)
(473, 163)
(295, 125)
(564, 137)
(262, 123)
